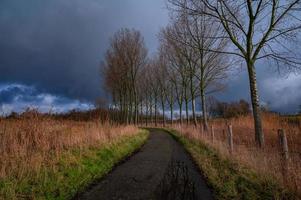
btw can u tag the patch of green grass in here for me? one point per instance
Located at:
(229, 179)
(74, 171)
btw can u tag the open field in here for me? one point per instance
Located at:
(46, 158)
(228, 178)
(55, 158)
(267, 162)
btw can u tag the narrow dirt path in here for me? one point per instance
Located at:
(160, 170)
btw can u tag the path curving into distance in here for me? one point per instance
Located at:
(160, 170)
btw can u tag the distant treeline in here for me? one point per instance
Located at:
(216, 109)
(229, 110)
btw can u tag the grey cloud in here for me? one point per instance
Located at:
(19, 97)
(57, 45)
(281, 93)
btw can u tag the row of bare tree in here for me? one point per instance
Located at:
(202, 41)
(122, 72)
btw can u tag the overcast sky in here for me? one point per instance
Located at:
(50, 53)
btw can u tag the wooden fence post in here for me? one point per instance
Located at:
(230, 138)
(283, 144)
(212, 133)
(284, 154)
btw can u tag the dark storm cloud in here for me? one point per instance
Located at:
(57, 45)
(280, 93)
(18, 97)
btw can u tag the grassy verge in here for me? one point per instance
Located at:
(229, 179)
(75, 170)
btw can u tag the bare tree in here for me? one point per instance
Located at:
(144, 93)
(177, 80)
(161, 78)
(212, 66)
(206, 70)
(261, 29)
(179, 66)
(123, 62)
(155, 89)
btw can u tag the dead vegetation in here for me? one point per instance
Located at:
(28, 143)
(266, 162)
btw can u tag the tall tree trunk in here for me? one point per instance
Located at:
(141, 113)
(204, 109)
(193, 112)
(151, 112)
(123, 120)
(186, 106)
(146, 112)
(127, 112)
(131, 108)
(163, 109)
(131, 113)
(156, 114)
(119, 111)
(193, 101)
(136, 107)
(171, 114)
(259, 136)
(187, 111)
(126, 117)
(181, 112)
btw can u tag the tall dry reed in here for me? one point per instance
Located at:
(267, 161)
(29, 143)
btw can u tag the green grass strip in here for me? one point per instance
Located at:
(229, 179)
(74, 171)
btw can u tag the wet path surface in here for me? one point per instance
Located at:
(160, 170)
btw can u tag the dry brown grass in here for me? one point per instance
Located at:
(267, 161)
(28, 143)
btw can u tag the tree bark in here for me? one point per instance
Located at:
(187, 114)
(140, 115)
(156, 115)
(135, 107)
(146, 113)
(162, 98)
(186, 107)
(131, 108)
(192, 101)
(126, 112)
(193, 112)
(204, 109)
(171, 114)
(163, 109)
(259, 136)
(181, 111)
(151, 112)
